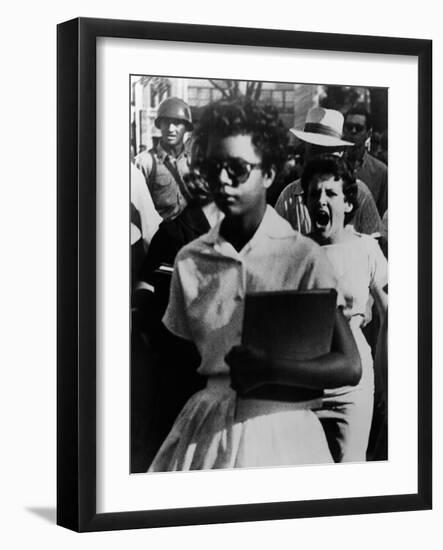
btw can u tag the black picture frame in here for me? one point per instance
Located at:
(76, 279)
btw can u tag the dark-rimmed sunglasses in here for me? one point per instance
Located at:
(349, 126)
(237, 169)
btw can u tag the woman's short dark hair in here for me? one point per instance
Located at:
(243, 116)
(332, 165)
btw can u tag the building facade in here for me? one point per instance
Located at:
(147, 92)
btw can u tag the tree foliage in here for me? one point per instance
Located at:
(233, 89)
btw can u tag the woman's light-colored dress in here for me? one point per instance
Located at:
(346, 413)
(216, 428)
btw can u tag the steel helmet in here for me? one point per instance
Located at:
(173, 107)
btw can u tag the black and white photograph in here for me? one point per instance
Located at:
(259, 274)
(197, 270)
(223, 275)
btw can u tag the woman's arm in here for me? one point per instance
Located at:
(251, 368)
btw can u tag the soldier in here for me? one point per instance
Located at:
(165, 165)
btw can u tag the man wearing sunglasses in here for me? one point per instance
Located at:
(358, 129)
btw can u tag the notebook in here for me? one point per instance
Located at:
(290, 324)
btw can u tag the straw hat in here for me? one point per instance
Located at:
(322, 127)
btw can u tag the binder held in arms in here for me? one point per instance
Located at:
(294, 325)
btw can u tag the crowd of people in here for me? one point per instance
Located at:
(222, 210)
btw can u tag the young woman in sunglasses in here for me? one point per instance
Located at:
(361, 269)
(226, 425)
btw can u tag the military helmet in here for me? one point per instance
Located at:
(173, 107)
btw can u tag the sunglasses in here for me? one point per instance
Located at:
(237, 169)
(349, 126)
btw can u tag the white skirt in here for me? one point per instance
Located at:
(216, 429)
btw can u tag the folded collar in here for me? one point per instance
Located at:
(164, 155)
(272, 226)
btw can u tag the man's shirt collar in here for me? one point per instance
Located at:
(163, 155)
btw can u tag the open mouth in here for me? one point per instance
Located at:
(322, 219)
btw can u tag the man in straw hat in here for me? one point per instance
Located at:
(322, 134)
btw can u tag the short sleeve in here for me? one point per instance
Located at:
(367, 219)
(280, 205)
(175, 317)
(378, 266)
(143, 162)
